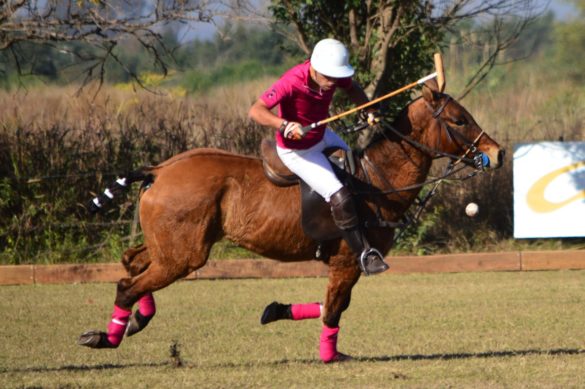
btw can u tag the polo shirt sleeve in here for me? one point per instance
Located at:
(276, 93)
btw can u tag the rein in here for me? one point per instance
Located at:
(412, 217)
(436, 153)
(452, 134)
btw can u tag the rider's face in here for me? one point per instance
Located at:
(324, 82)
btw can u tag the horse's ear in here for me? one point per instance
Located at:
(430, 91)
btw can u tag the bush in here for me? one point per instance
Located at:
(55, 160)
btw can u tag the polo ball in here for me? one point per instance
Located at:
(471, 209)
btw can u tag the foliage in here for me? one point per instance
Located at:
(59, 63)
(384, 60)
(235, 43)
(101, 26)
(55, 159)
(202, 80)
(570, 43)
(236, 54)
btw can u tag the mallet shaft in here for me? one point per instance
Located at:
(369, 103)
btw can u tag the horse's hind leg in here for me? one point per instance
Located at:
(136, 260)
(154, 276)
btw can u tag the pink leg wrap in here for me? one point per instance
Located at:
(328, 344)
(146, 305)
(305, 311)
(117, 325)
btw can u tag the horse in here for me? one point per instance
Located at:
(198, 197)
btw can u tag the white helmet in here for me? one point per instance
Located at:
(331, 58)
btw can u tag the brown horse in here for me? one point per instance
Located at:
(196, 198)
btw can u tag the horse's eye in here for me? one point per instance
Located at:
(460, 122)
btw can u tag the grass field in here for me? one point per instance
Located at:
(505, 329)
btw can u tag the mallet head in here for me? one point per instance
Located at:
(440, 71)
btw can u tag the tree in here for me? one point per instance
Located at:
(103, 25)
(392, 41)
(570, 42)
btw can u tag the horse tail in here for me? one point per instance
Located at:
(120, 186)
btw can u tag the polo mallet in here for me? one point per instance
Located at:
(439, 74)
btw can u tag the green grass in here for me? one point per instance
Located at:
(505, 329)
(224, 249)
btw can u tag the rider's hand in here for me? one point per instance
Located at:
(293, 130)
(372, 117)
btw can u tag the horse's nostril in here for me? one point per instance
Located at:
(501, 155)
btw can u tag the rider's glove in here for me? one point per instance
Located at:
(372, 117)
(293, 130)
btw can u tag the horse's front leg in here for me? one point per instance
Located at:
(342, 278)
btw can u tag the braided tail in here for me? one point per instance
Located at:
(121, 185)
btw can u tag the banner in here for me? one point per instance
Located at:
(549, 190)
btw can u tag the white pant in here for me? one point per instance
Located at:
(313, 167)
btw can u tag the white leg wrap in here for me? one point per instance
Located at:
(108, 193)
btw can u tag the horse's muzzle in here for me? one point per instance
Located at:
(491, 159)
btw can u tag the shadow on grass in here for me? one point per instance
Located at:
(390, 358)
(74, 368)
(487, 354)
(414, 357)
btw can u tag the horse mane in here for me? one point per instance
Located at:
(384, 133)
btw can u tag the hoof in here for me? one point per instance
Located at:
(275, 311)
(95, 339)
(339, 357)
(137, 323)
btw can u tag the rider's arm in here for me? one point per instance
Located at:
(263, 116)
(356, 94)
(260, 113)
(359, 97)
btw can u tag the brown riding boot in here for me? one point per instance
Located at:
(345, 216)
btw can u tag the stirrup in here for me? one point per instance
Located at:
(367, 267)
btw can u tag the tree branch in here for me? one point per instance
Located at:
(103, 22)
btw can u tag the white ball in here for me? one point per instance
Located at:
(472, 209)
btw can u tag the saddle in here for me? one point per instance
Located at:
(316, 218)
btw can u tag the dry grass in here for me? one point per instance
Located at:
(524, 101)
(60, 147)
(468, 330)
(115, 110)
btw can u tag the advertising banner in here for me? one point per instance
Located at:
(549, 190)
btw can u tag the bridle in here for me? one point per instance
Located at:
(457, 138)
(477, 158)
(454, 136)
